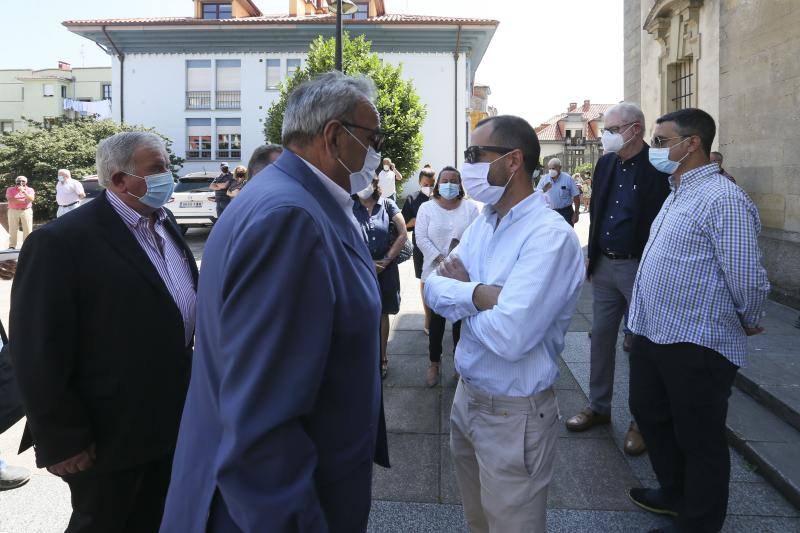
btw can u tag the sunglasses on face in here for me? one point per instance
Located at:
(377, 138)
(659, 142)
(473, 153)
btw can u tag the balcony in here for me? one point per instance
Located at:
(229, 99)
(575, 141)
(198, 99)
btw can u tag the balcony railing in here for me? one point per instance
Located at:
(229, 99)
(575, 141)
(198, 99)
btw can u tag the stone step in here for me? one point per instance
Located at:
(767, 441)
(781, 395)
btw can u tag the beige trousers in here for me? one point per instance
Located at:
(503, 451)
(17, 218)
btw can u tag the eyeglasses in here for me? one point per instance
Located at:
(377, 138)
(658, 142)
(473, 153)
(615, 129)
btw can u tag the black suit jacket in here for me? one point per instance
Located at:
(652, 188)
(97, 342)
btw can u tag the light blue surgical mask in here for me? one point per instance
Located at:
(659, 158)
(159, 189)
(449, 191)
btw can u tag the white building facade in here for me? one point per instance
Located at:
(207, 83)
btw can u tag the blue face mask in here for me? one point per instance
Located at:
(159, 189)
(449, 191)
(659, 158)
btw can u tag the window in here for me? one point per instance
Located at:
(273, 73)
(6, 126)
(198, 84)
(361, 14)
(106, 91)
(217, 11)
(198, 145)
(681, 83)
(229, 138)
(229, 82)
(63, 91)
(292, 66)
(48, 90)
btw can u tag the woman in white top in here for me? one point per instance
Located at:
(439, 226)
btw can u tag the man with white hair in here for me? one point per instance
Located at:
(563, 192)
(282, 417)
(69, 192)
(627, 194)
(103, 406)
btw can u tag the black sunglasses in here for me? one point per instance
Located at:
(473, 153)
(377, 138)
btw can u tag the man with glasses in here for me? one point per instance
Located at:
(699, 293)
(513, 281)
(627, 193)
(565, 197)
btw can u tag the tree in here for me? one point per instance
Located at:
(402, 113)
(39, 151)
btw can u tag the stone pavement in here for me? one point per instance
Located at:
(419, 494)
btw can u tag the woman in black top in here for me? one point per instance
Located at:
(427, 177)
(375, 217)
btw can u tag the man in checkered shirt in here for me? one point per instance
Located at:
(699, 293)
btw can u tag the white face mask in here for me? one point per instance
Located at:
(475, 178)
(553, 173)
(367, 192)
(359, 180)
(386, 168)
(427, 191)
(614, 142)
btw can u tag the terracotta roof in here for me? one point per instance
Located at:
(282, 19)
(549, 130)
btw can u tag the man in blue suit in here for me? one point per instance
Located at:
(280, 423)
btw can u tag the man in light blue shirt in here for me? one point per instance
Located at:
(565, 197)
(514, 282)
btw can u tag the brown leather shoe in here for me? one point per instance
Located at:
(634, 442)
(587, 419)
(432, 378)
(627, 342)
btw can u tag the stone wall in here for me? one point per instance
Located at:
(758, 126)
(632, 13)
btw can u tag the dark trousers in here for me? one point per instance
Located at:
(436, 336)
(679, 397)
(221, 207)
(122, 501)
(567, 213)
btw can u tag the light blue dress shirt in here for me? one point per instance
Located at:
(563, 192)
(512, 349)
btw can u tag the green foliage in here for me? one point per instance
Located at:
(586, 167)
(38, 152)
(402, 113)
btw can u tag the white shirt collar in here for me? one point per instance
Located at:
(340, 196)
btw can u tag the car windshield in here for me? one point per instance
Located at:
(195, 185)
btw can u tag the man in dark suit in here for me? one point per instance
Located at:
(102, 321)
(627, 193)
(281, 420)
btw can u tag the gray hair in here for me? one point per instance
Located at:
(65, 172)
(115, 153)
(331, 96)
(554, 161)
(628, 112)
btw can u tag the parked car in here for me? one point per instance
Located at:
(91, 187)
(192, 202)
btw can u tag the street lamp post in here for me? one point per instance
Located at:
(346, 7)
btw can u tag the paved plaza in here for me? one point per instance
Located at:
(419, 493)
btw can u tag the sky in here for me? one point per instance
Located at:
(544, 55)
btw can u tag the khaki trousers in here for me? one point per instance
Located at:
(17, 218)
(503, 451)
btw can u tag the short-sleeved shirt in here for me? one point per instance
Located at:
(376, 225)
(411, 208)
(17, 199)
(68, 192)
(222, 196)
(562, 192)
(387, 182)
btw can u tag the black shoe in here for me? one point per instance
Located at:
(653, 500)
(666, 529)
(12, 477)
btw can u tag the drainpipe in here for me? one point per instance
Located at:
(456, 125)
(121, 58)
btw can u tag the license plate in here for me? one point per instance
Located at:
(191, 205)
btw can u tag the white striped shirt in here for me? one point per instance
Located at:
(512, 349)
(167, 257)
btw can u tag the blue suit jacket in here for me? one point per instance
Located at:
(280, 422)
